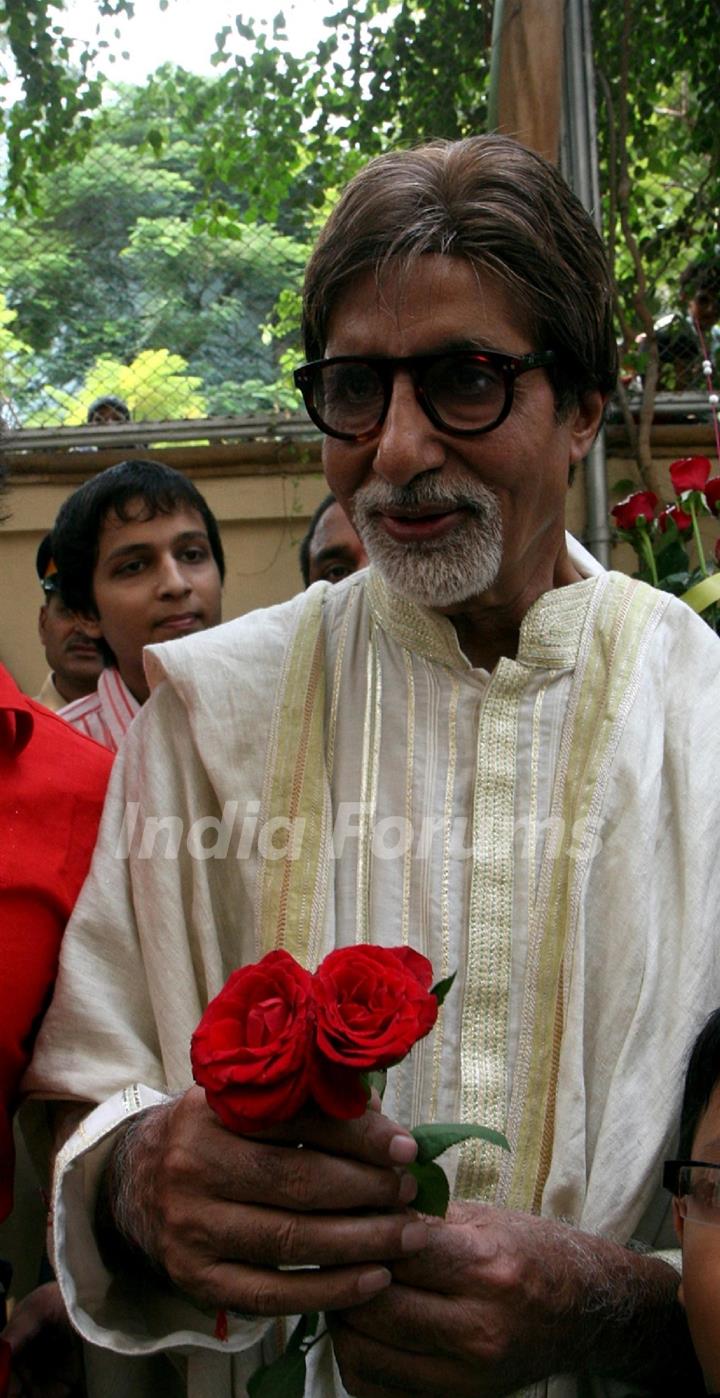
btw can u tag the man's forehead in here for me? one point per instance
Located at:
(332, 527)
(445, 298)
(138, 511)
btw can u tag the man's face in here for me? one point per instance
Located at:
(705, 309)
(335, 549)
(447, 519)
(73, 655)
(106, 413)
(154, 579)
(700, 1291)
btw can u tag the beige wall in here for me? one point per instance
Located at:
(262, 496)
(262, 519)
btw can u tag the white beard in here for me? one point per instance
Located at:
(437, 572)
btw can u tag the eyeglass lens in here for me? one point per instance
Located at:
(698, 1193)
(465, 391)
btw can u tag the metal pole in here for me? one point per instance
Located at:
(578, 162)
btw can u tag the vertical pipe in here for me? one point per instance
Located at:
(578, 161)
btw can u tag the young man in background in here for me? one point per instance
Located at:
(139, 553)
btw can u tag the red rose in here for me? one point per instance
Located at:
(712, 494)
(682, 519)
(373, 1004)
(252, 1050)
(627, 513)
(690, 473)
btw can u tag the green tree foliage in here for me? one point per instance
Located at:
(52, 123)
(285, 131)
(657, 66)
(111, 265)
(156, 387)
(14, 358)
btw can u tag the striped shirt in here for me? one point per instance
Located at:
(107, 714)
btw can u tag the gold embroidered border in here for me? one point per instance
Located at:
(606, 676)
(368, 783)
(487, 990)
(292, 890)
(409, 761)
(444, 969)
(337, 679)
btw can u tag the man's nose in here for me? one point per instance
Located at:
(409, 444)
(173, 579)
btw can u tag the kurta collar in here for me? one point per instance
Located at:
(549, 634)
(16, 716)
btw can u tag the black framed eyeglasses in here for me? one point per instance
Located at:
(463, 392)
(696, 1187)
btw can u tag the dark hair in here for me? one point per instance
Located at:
(702, 1077)
(304, 551)
(76, 531)
(701, 275)
(108, 400)
(504, 209)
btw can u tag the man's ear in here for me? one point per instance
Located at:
(42, 618)
(585, 423)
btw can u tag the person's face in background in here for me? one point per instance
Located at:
(106, 413)
(155, 579)
(704, 309)
(335, 549)
(699, 1234)
(73, 655)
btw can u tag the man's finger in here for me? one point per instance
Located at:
(255, 1291)
(369, 1368)
(274, 1238)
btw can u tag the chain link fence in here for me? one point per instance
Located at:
(115, 289)
(112, 288)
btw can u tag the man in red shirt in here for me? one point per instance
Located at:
(52, 784)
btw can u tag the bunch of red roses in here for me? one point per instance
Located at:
(278, 1038)
(664, 538)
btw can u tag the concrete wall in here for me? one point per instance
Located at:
(262, 508)
(262, 494)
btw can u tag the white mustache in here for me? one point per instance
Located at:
(379, 495)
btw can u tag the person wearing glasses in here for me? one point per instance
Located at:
(694, 1182)
(482, 746)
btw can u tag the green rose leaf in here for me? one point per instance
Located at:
(377, 1079)
(284, 1378)
(441, 989)
(433, 1194)
(433, 1140)
(307, 1325)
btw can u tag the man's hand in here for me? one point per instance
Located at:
(224, 1216)
(497, 1300)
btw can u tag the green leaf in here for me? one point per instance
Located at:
(434, 1139)
(441, 989)
(376, 1079)
(306, 1325)
(433, 1194)
(624, 487)
(284, 1378)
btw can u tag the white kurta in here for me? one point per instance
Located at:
(548, 831)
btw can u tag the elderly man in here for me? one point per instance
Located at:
(484, 747)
